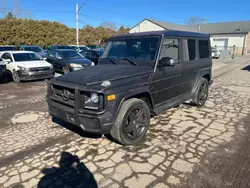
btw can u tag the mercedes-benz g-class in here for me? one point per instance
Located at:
(138, 76)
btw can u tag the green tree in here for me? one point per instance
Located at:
(9, 16)
(44, 33)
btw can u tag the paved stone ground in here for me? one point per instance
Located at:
(181, 147)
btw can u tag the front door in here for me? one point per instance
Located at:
(59, 61)
(51, 59)
(167, 80)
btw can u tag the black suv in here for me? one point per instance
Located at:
(138, 76)
(92, 55)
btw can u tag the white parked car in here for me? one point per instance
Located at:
(215, 53)
(26, 65)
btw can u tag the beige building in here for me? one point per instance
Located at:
(224, 35)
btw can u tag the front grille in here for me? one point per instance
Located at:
(64, 94)
(37, 69)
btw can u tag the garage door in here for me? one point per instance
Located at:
(221, 43)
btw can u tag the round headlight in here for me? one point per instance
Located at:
(94, 98)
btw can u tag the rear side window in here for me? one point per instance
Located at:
(189, 49)
(203, 49)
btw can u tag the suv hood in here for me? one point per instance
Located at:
(33, 64)
(98, 74)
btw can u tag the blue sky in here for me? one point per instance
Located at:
(130, 12)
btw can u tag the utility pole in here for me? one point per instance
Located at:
(77, 25)
(77, 22)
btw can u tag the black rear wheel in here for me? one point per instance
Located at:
(132, 122)
(201, 94)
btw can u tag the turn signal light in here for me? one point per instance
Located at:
(110, 97)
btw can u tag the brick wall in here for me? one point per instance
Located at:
(247, 49)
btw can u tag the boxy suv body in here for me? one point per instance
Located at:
(138, 76)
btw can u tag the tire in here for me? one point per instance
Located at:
(132, 122)
(66, 70)
(201, 94)
(15, 76)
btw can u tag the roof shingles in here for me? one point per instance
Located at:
(210, 28)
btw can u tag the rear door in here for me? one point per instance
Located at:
(190, 63)
(194, 65)
(167, 80)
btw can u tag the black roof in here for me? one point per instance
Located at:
(166, 33)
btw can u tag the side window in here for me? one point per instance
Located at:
(51, 54)
(170, 49)
(7, 56)
(4, 56)
(204, 49)
(189, 50)
(94, 55)
(85, 54)
(57, 55)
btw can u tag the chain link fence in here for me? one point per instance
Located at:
(227, 52)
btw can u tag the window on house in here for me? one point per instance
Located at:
(203, 49)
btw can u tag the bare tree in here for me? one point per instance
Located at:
(108, 25)
(196, 21)
(3, 8)
(16, 9)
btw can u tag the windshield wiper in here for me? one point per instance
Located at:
(112, 60)
(131, 61)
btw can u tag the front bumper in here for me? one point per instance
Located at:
(89, 123)
(35, 75)
(71, 112)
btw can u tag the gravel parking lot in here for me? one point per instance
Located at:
(185, 147)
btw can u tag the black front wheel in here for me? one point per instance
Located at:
(15, 76)
(132, 122)
(66, 70)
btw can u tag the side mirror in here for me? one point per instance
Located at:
(166, 61)
(7, 60)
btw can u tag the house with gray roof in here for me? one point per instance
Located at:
(223, 35)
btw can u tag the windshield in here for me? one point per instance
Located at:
(26, 57)
(99, 52)
(72, 55)
(34, 49)
(142, 49)
(83, 48)
(7, 48)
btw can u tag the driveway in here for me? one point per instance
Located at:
(185, 146)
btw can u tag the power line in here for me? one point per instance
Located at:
(95, 18)
(37, 10)
(115, 12)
